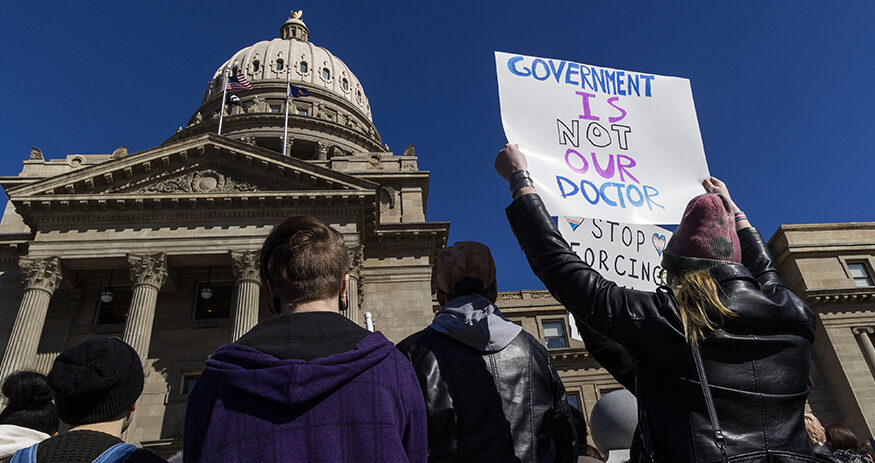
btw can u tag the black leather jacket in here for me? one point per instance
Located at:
(506, 406)
(758, 365)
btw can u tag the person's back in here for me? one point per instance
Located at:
(95, 385)
(308, 385)
(491, 392)
(725, 301)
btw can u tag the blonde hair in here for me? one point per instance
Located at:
(699, 304)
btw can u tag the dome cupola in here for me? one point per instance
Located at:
(294, 28)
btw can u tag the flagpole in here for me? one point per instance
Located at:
(222, 106)
(286, 123)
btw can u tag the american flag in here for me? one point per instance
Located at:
(238, 82)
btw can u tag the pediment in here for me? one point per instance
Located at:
(205, 165)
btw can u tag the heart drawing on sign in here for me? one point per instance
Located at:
(659, 243)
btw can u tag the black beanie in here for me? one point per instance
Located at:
(95, 381)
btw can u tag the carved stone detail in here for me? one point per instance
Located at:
(205, 181)
(322, 149)
(41, 272)
(356, 257)
(388, 195)
(148, 269)
(36, 154)
(119, 152)
(410, 151)
(245, 265)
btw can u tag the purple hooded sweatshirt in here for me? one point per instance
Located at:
(363, 405)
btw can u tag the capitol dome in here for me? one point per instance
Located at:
(309, 64)
(332, 118)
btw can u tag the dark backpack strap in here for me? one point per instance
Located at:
(719, 438)
(118, 453)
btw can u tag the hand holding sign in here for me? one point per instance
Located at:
(509, 160)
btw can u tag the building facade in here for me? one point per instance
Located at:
(830, 266)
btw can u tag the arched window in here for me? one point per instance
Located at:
(256, 66)
(303, 68)
(344, 84)
(326, 74)
(279, 64)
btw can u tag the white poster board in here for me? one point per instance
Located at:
(600, 142)
(627, 254)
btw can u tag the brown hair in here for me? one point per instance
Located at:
(699, 304)
(840, 437)
(303, 260)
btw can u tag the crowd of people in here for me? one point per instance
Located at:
(714, 364)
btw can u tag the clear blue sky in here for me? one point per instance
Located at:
(783, 90)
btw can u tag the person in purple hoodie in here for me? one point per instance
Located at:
(309, 384)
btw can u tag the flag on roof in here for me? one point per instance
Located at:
(238, 82)
(296, 91)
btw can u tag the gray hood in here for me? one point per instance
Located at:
(475, 322)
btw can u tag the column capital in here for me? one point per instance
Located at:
(42, 273)
(245, 265)
(863, 330)
(148, 269)
(356, 257)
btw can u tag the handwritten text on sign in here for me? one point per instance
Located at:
(619, 145)
(627, 254)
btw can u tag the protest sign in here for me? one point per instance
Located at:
(629, 255)
(619, 145)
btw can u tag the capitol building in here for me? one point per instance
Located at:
(159, 247)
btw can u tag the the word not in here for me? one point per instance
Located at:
(596, 134)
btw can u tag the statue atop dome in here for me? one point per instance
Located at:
(296, 14)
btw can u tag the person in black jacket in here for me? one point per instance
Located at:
(725, 300)
(491, 392)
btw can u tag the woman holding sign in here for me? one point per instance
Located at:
(721, 355)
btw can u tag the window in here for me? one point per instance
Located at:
(216, 307)
(860, 274)
(303, 67)
(344, 84)
(554, 335)
(188, 382)
(256, 66)
(279, 65)
(275, 109)
(301, 111)
(574, 400)
(115, 311)
(326, 74)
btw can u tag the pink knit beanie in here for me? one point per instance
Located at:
(705, 238)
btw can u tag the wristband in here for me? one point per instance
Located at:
(739, 216)
(518, 175)
(520, 185)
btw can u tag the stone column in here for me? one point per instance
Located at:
(247, 290)
(864, 338)
(40, 277)
(148, 273)
(354, 293)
